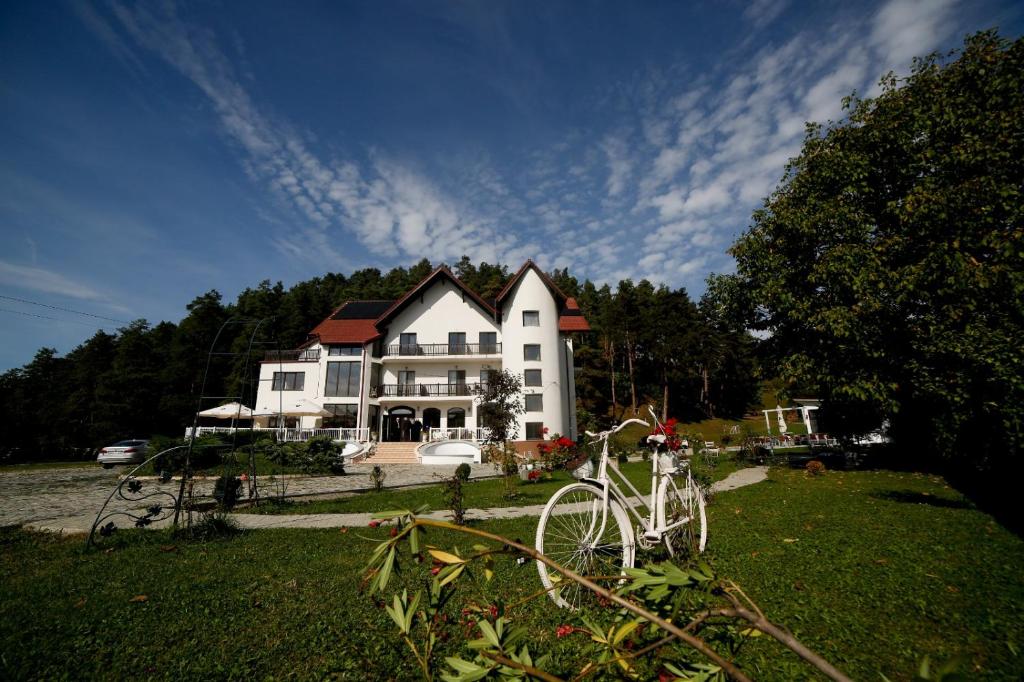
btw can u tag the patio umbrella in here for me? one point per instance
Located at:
(294, 408)
(228, 411)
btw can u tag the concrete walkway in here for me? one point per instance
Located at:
(737, 479)
(81, 524)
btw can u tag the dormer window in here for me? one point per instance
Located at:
(531, 318)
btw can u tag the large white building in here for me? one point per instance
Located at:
(385, 368)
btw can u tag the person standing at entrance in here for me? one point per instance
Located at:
(417, 429)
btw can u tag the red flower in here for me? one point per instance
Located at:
(435, 570)
(374, 524)
(394, 532)
(564, 630)
(493, 611)
(665, 676)
(545, 430)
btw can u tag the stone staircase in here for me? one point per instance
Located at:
(394, 453)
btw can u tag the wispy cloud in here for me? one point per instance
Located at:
(390, 208)
(30, 278)
(658, 188)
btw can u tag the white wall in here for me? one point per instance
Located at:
(531, 294)
(443, 310)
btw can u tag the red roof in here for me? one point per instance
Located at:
(571, 318)
(352, 328)
(344, 331)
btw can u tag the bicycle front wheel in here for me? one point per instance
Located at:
(684, 506)
(570, 533)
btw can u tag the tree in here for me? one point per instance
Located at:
(887, 267)
(499, 410)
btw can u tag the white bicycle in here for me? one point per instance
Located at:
(586, 526)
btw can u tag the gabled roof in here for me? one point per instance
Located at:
(560, 298)
(360, 322)
(440, 273)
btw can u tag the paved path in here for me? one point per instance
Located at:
(736, 479)
(68, 498)
(412, 473)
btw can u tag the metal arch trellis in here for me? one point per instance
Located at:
(130, 488)
(245, 382)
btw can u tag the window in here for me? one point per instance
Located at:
(289, 381)
(343, 416)
(345, 350)
(342, 380)
(457, 343)
(456, 418)
(375, 376)
(531, 351)
(534, 430)
(488, 342)
(534, 402)
(531, 318)
(406, 382)
(531, 377)
(407, 344)
(485, 376)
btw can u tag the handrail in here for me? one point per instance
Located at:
(457, 388)
(441, 349)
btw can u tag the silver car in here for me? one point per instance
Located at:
(123, 452)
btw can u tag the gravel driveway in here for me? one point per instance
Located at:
(69, 498)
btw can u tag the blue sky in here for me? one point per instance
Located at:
(155, 151)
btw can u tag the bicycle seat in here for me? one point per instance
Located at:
(658, 438)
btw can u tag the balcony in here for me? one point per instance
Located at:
(309, 355)
(434, 350)
(396, 391)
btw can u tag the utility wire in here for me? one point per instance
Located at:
(47, 317)
(54, 307)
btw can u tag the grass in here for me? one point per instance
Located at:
(874, 569)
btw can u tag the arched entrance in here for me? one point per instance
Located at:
(431, 419)
(398, 423)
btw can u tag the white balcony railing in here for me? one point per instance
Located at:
(360, 435)
(458, 433)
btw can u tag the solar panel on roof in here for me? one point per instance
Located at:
(362, 310)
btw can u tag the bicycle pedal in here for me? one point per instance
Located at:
(652, 536)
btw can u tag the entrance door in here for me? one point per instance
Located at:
(431, 419)
(397, 423)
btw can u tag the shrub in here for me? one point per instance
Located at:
(815, 468)
(227, 490)
(451, 490)
(320, 455)
(622, 457)
(377, 477)
(557, 453)
(463, 471)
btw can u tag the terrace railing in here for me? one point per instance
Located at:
(307, 355)
(348, 435)
(441, 349)
(458, 433)
(426, 390)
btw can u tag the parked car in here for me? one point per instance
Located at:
(123, 452)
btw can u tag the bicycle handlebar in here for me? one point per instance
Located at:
(603, 434)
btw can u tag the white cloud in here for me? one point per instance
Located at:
(46, 281)
(904, 29)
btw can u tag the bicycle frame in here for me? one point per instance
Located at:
(659, 479)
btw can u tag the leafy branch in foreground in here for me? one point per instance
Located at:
(661, 614)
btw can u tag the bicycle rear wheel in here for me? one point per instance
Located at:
(569, 533)
(685, 503)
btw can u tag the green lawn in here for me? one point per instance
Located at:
(872, 569)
